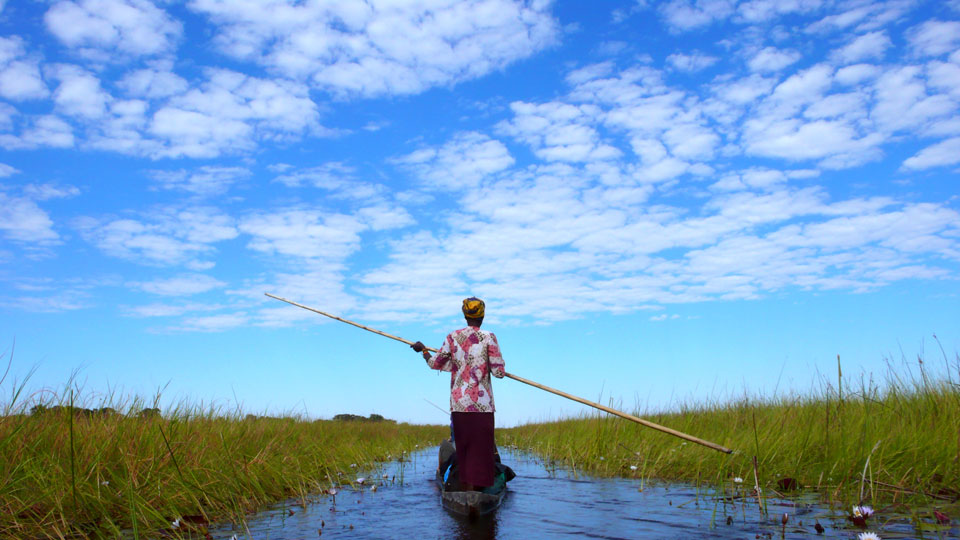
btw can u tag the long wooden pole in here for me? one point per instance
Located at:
(603, 408)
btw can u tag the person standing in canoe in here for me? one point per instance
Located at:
(471, 355)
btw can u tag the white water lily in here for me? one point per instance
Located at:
(633, 467)
(373, 488)
(105, 483)
(361, 480)
(601, 458)
(332, 491)
(737, 480)
(176, 523)
(869, 536)
(862, 511)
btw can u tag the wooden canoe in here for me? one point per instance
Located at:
(470, 503)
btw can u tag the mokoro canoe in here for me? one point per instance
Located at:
(470, 503)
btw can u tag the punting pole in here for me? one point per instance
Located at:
(603, 408)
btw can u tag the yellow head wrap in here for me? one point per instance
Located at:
(473, 308)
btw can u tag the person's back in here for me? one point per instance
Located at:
(471, 355)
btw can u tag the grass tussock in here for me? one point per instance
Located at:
(69, 471)
(854, 442)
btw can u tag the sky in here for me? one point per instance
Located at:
(663, 204)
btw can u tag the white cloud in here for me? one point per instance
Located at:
(902, 101)
(943, 153)
(79, 93)
(45, 130)
(204, 181)
(105, 30)
(167, 310)
(851, 75)
(934, 38)
(559, 131)
(795, 140)
(760, 11)
(462, 162)
(743, 91)
(333, 176)
(944, 76)
(691, 62)
(20, 77)
(861, 17)
(850, 105)
(303, 233)
(43, 192)
(771, 59)
(804, 86)
(154, 82)
(381, 48)
(169, 238)
(54, 303)
(868, 46)
(231, 112)
(212, 323)
(7, 170)
(182, 285)
(689, 14)
(589, 73)
(21, 220)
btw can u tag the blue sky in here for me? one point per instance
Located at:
(661, 202)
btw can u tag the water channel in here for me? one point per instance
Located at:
(543, 502)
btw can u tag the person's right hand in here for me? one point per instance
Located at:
(419, 347)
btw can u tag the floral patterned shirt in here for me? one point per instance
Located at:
(471, 355)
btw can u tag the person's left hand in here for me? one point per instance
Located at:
(419, 347)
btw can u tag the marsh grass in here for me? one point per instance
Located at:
(66, 473)
(852, 441)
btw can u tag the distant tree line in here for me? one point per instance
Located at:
(37, 410)
(358, 418)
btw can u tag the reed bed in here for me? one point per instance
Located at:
(853, 442)
(117, 471)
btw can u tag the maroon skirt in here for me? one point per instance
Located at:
(473, 435)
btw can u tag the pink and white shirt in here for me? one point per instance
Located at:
(471, 355)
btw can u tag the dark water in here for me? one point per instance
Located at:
(545, 503)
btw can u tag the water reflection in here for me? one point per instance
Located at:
(542, 503)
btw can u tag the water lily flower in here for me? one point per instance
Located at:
(332, 491)
(353, 465)
(737, 480)
(862, 511)
(373, 488)
(869, 536)
(176, 523)
(601, 458)
(633, 467)
(860, 515)
(361, 480)
(105, 483)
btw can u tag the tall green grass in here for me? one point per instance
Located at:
(68, 474)
(853, 441)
